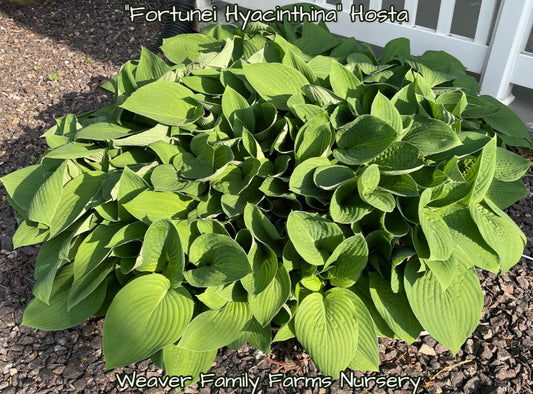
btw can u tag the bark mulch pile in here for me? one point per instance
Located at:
(53, 57)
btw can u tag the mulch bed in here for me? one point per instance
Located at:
(53, 57)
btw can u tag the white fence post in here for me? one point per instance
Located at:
(509, 39)
(444, 24)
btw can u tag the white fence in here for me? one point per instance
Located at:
(499, 57)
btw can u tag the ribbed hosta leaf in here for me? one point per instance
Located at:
(347, 261)
(366, 357)
(431, 136)
(284, 81)
(178, 361)
(466, 236)
(384, 109)
(313, 236)
(150, 206)
(484, 172)
(326, 326)
(165, 102)
(357, 146)
(219, 260)
(394, 309)
(510, 166)
(267, 303)
(55, 315)
(46, 200)
(501, 234)
(450, 315)
(227, 323)
(146, 315)
(342, 80)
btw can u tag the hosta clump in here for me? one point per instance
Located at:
(269, 184)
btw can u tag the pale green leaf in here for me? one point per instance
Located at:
(345, 264)
(451, 315)
(264, 267)
(366, 357)
(385, 110)
(363, 139)
(431, 136)
(266, 304)
(29, 234)
(313, 236)
(55, 315)
(228, 324)
(46, 200)
(282, 82)
(75, 199)
(394, 309)
(145, 316)
(162, 251)
(181, 362)
(144, 138)
(466, 236)
(343, 82)
(314, 138)
(21, 185)
(501, 234)
(150, 68)
(165, 102)
(149, 206)
(327, 328)
(219, 260)
(186, 48)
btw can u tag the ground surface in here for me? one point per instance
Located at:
(53, 56)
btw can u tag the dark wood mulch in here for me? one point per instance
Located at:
(53, 57)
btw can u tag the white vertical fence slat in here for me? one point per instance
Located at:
(509, 39)
(484, 22)
(444, 25)
(522, 71)
(524, 63)
(375, 4)
(346, 5)
(412, 7)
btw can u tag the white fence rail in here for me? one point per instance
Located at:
(501, 59)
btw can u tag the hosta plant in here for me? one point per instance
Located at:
(273, 183)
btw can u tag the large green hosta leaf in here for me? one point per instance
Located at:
(326, 326)
(219, 260)
(450, 315)
(228, 324)
(366, 357)
(394, 309)
(500, 233)
(282, 82)
(145, 316)
(266, 304)
(313, 236)
(181, 362)
(162, 250)
(165, 102)
(345, 264)
(46, 200)
(56, 315)
(431, 135)
(363, 139)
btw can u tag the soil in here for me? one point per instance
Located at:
(53, 57)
